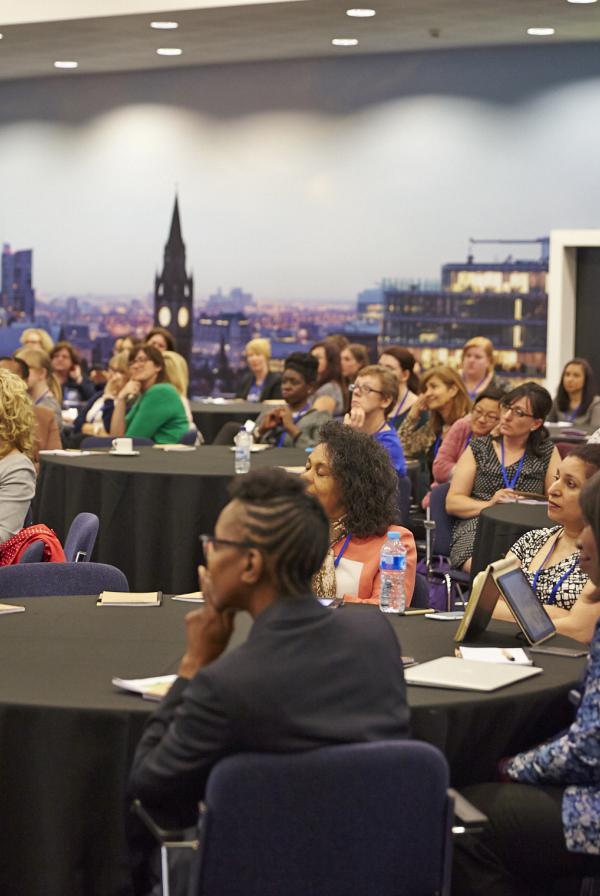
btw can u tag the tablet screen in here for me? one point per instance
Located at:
(534, 620)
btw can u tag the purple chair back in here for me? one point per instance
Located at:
(43, 579)
(342, 821)
(81, 536)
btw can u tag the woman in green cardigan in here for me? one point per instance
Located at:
(158, 411)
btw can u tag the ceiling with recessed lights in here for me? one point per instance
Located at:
(220, 31)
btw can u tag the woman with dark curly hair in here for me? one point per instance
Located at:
(352, 476)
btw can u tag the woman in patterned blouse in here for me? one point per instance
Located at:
(550, 557)
(547, 833)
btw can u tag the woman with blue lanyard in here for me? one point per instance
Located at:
(373, 395)
(576, 400)
(478, 366)
(492, 470)
(550, 557)
(295, 424)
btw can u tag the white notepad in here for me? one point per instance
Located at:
(129, 599)
(467, 675)
(10, 608)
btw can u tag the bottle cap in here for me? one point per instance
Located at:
(395, 536)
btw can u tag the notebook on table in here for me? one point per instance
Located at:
(467, 675)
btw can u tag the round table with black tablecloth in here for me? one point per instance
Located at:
(210, 417)
(500, 526)
(67, 737)
(152, 507)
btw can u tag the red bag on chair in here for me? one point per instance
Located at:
(11, 550)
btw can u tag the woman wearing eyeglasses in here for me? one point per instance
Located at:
(484, 417)
(373, 395)
(493, 469)
(157, 412)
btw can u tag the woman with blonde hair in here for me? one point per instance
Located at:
(178, 375)
(478, 366)
(44, 388)
(17, 473)
(34, 337)
(444, 396)
(260, 383)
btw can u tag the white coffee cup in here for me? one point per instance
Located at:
(122, 446)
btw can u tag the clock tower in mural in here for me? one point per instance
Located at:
(174, 291)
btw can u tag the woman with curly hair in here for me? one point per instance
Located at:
(17, 473)
(352, 477)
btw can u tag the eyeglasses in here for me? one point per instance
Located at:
(363, 390)
(482, 415)
(212, 540)
(138, 360)
(518, 412)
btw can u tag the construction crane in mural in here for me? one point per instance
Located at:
(542, 241)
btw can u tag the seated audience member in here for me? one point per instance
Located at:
(66, 364)
(373, 394)
(444, 396)
(484, 417)
(543, 830)
(492, 469)
(260, 384)
(576, 400)
(128, 344)
(329, 395)
(478, 366)
(550, 557)
(352, 477)
(17, 473)
(161, 339)
(34, 337)
(44, 388)
(352, 359)
(98, 375)
(296, 424)
(268, 542)
(178, 374)
(339, 340)
(402, 363)
(95, 416)
(157, 412)
(46, 432)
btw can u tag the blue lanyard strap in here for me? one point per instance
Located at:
(436, 445)
(295, 418)
(336, 561)
(512, 482)
(557, 585)
(472, 395)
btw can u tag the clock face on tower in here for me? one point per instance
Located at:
(164, 316)
(183, 317)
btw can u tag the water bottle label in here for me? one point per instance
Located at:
(393, 563)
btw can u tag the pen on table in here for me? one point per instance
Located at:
(417, 611)
(508, 655)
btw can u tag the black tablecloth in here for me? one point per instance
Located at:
(67, 737)
(152, 508)
(209, 417)
(500, 526)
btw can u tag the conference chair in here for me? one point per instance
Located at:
(106, 442)
(420, 598)
(564, 448)
(404, 495)
(438, 533)
(344, 820)
(81, 537)
(34, 553)
(43, 579)
(189, 438)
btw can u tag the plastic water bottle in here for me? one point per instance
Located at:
(392, 596)
(243, 442)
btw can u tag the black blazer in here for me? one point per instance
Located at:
(271, 386)
(306, 677)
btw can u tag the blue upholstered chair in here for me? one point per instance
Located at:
(438, 527)
(41, 579)
(81, 536)
(106, 442)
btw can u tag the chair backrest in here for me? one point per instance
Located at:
(564, 448)
(404, 493)
(189, 437)
(442, 535)
(342, 821)
(106, 442)
(42, 579)
(34, 553)
(81, 536)
(420, 598)
(28, 521)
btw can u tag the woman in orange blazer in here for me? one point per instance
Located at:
(353, 478)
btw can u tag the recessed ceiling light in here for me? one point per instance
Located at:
(164, 26)
(360, 13)
(65, 63)
(169, 51)
(1, 36)
(344, 42)
(540, 32)
(582, 1)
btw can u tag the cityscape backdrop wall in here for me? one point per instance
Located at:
(303, 184)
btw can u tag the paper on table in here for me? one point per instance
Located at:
(150, 688)
(255, 448)
(175, 447)
(66, 452)
(296, 470)
(10, 608)
(193, 597)
(129, 599)
(510, 655)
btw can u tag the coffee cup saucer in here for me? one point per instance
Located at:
(124, 453)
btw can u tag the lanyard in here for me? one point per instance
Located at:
(469, 437)
(401, 405)
(563, 578)
(336, 562)
(295, 418)
(512, 482)
(574, 413)
(436, 445)
(42, 396)
(473, 394)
